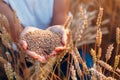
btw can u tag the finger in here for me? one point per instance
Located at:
(60, 48)
(60, 29)
(57, 29)
(36, 56)
(53, 54)
(23, 44)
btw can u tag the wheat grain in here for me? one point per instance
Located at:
(42, 41)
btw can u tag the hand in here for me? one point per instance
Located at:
(60, 29)
(57, 29)
(24, 45)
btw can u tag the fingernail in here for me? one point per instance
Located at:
(57, 49)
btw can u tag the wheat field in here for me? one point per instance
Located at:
(94, 31)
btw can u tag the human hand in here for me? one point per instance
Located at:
(60, 29)
(24, 45)
(57, 29)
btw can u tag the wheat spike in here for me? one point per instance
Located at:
(93, 53)
(110, 78)
(73, 72)
(100, 75)
(85, 69)
(81, 61)
(105, 65)
(79, 72)
(118, 35)
(116, 63)
(9, 71)
(99, 37)
(16, 76)
(99, 53)
(99, 19)
(86, 21)
(81, 12)
(109, 52)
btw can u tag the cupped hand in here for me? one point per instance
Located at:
(60, 29)
(42, 58)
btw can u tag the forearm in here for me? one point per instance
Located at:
(14, 26)
(61, 10)
(59, 20)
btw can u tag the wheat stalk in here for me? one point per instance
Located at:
(94, 71)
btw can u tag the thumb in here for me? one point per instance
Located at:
(26, 30)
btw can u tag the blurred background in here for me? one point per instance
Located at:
(111, 20)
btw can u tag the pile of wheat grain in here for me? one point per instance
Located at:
(42, 41)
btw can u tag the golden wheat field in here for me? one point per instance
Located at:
(92, 51)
